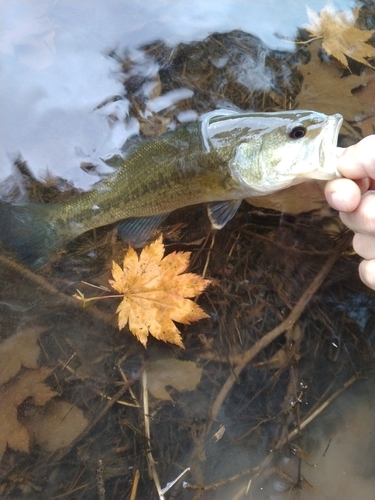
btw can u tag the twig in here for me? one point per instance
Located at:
(43, 283)
(255, 471)
(170, 485)
(315, 413)
(242, 360)
(287, 324)
(125, 379)
(100, 480)
(209, 255)
(150, 458)
(219, 484)
(63, 451)
(97, 391)
(133, 493)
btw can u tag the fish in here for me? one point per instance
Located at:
(222, 158)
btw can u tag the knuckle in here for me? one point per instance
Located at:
(368, 212)
(367, 272)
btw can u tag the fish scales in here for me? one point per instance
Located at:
(221, 159)
(155, 178)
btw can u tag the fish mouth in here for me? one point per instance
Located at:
(327, 150)
(327, 154)
(334, 123)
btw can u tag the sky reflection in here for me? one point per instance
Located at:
(55, 70)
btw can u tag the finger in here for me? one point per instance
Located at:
(364, 245)
(362, 219)
(365, 184)
(358, 161)
(367, 272)
(343, 194)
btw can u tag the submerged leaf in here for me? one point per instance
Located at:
(30, 383)
(182, 375)
(20, 350)
(365, 95)
(156, 293)
(56, 425)
(325, 90)
(340, 37)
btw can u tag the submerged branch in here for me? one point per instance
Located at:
(242, 360)
(256, 471)
(36, 279)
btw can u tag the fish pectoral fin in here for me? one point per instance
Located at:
(138, 230)
(221, 212)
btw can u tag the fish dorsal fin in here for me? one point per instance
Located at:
(221, 212)
(138, 230)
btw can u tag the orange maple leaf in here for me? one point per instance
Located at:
(156, 293)
(340, 37)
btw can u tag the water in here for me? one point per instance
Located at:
(294, 421)
(55, 69)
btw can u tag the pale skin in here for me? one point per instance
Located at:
(354, 197)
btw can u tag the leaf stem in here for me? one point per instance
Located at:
(80, 296)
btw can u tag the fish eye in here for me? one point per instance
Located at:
(297, 132)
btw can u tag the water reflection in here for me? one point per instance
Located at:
(55, 70)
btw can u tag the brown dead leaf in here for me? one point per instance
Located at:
(153, 125)
(20, 350)
(340, 37)
(323, 89)
(30, 383)
(368, 126)
(56, 425)
(156, 293)
(366, 95)
(182, 375)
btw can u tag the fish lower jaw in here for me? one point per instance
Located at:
(321, 175)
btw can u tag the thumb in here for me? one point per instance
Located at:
(358, 161)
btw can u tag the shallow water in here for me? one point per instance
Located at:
(297, 419)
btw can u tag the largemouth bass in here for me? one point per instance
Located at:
(219, 160)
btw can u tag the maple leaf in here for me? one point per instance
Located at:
(29, 383)
(156, 293)
(325, 90)
(340, 38)
(20, 350)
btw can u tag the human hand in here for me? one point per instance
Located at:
(354, 197)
